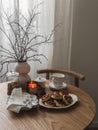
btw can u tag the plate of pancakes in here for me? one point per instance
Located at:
(58, 100)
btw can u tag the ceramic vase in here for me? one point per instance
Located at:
(23, 68)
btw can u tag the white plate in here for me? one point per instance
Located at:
(52, 86)
(74, 97)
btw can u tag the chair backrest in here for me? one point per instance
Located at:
(77, 76)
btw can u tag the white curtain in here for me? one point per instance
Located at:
(52, 12)
(62, 48)
(44, 22)
(6, 7)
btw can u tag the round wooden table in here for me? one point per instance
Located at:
(77, 117)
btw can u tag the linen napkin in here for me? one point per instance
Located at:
(21, 100)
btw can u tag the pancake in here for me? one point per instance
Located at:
(56, 95)
(67, 99)
(59, 103)
(50, 103)
(45, 97)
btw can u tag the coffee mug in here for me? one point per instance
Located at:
(58, 79)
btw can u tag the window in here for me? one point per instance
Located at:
(43, 25)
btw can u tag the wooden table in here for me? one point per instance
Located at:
(77, 117)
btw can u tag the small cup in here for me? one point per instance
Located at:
(58, 79)
(41, 81)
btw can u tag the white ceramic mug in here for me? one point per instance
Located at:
(58, 79)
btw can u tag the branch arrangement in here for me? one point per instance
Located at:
(24, 42)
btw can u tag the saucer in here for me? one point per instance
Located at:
(40, 79)
(54, 87)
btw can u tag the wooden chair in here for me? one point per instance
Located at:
(77, 76)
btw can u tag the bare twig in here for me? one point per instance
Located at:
(24, 45)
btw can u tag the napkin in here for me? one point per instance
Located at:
(21, 100)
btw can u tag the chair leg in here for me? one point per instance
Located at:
(77, 82)
(47, 75)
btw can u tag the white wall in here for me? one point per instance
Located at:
(85, 45)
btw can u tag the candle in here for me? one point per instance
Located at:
(32, 88)
(32, 85)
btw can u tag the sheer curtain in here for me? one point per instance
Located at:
(9, 7)
(52, 12)
(62, 48)
(44, 23)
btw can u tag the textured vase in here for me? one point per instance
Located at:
(23, 68)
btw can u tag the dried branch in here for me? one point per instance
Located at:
(23, 46)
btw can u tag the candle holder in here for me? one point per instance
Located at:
(32, 88)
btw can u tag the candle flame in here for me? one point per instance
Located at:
(32, 85)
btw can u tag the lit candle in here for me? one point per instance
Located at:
(32, 85)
